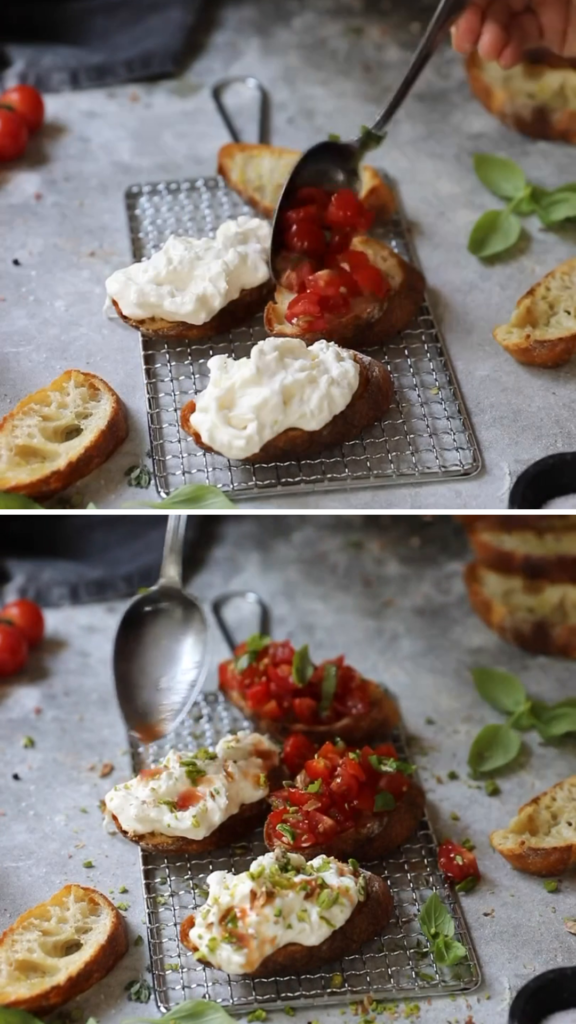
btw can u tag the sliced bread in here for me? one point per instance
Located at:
(258, 173)
(530, 553)
(542, 330)
(59, 949)
(58, 435)
(541, 839)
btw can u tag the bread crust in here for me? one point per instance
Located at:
(236, 314)
(234, 830)
(538, 524)
(535, 860)
(371, 401)
(552, 568)
(520, 337)
(94, 970)
(374, 837)
(539, 636)
(367, 920)
(375, 193)
(86, 461)
(538, 121)
(371, 321)
(383, 717)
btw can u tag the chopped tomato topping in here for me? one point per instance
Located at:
(307, 238)
(338, 789)
(458, 864)
(372, 281)
(294, 277)
(297, 750)
(310, 214)
(311, 195)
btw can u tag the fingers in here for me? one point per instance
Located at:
(526, 35)
(467, 30)
(495, 35)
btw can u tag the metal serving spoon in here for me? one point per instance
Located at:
(160, 651)
(334, 165)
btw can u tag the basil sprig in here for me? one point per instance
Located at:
(193, 1011)
(497, 231)
(302, 666)
(437, 925)
(254, 644)
(329, 684)
(498, 745)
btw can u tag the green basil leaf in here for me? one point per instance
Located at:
(384, 801)
(494, 232)
(494, 747)
(17, 501)
(556, 207)
(523, 719)
(447, 952)
(329, 683)
(17, 1017)
(257, 642)
(553, 722)
(302, 666)
(525, 203)
(467, 885)
(193, 496)
(195, 1011)
(501, 176)
(501, 690)
(435, 919)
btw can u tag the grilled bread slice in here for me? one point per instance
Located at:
(537, 98)
(58, 435)
(59, 949)
(371, 321)
(541, 839)
(371, 838)
(542, 330)
(536, 555)
(371, 401)
(368, 919)
(236, 314)
(234, 830)
(258, 173)
(533, 614)
(543, 523)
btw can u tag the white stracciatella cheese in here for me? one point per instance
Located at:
(192, 279)
(191, 794)
(281, 899)
(283, 383)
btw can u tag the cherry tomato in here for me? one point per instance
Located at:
(188, 798)
(306, 305)
(354, 259)
(305, 709)
(272, 710)
(294, 278)
(340, 239)
(395, 783)
(258, 695)
(309, 214)
(28, 617)
(345, 209)
(333, 282)
(281, 653)
(297, 750)
(13, 649)
(310, 195)
(26, 101)
(372, 281)
(344, 785)
(318, 768)
(457, 863)
(321, 825)
(13, 134)
(307, 238)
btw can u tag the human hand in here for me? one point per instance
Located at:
(503, 30)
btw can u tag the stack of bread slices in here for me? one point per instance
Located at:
(523, 580)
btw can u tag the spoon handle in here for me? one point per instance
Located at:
(173, 556)
(251, 600)
(446, 13)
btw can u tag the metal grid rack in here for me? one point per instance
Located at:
(396, 965)
(426, 435)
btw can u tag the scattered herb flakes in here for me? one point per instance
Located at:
(28, 741)
(452, 775)
(256, 1015)
(162, 880)
(87, 863)
(551, 884)
(429, 720)
(139, 991)
(454, 816)
(139, 940)
(467, 885)
(302, 666)
(122, 888)
(570, 925)
(173, 967)
(289, 1011)
(468, 844)
(336, 981)
(83, 810)
(161, 900)
(106, 769)
(411, 1010)
(123, 906)
(492, 788)
(91, 1020)
(138, 476)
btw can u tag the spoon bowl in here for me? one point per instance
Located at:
(161, 647)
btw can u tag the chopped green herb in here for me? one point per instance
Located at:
(254, 644)
(454, 816)
(28, 741)
(467, 885)
(87, 864)
(139, 941)
(165, 802)
(278, 912)
(430, 721)
(212, 944)
(122, 888)
(336, 981)
(492, 788)
(138, 476)
(263, 780)
(329, 684)
(328, 899)
(334, 137)
(161, 900)
(173, 967)
(384, 802)
(327, 921)
(84, 810)
(302, 666)
(192, 769)
(257, 1015)
(303, 915)
(314, 787)
(123, 906)
(551, 885)
(232, 920)
(205, 754)
(286, 831)
(289, 1011)
(139, 991)
(354, 864)
(452, 775)
(468, 844)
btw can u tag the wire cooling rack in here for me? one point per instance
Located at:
(395, 965)
(425, 436)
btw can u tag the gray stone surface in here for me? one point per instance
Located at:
(329, 65)
(389, 594)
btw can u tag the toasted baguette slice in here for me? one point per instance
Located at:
(58, 435)
(371, 401)
(368, 919)
(543, 523)
(59, 949)
(234, 830)
(375, 837)
(541, 839)
(533, 554)
(537, 97)
(258, 173)
(383, 717)
(370, 321)
(542, 331)
(533, 614)
(236, 314)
